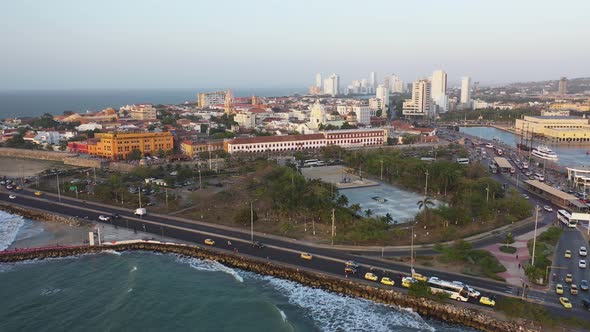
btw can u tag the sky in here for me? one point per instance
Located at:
(72, 44)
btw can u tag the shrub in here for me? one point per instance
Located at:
(508, 249)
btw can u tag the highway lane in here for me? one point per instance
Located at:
(287, 251)
(572, 240)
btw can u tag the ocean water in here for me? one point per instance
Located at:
(144, 291)
(34, 103)
(569, 155)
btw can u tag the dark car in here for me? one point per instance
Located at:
(115, 216)
(586, 304)
(258, 245)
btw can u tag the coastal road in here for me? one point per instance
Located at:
(278, 249)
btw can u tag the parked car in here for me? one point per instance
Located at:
(583, 252)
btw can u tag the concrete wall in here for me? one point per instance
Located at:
(84, 162)
(35, 154)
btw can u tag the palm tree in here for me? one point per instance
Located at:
(342, 200)
(368, 213)
(424, 203)
(355, 208)
(388, 217)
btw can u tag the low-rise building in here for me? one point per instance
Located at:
(117, 145)
(556, 128)
(192, 148)
(344, 138)
(143, 112)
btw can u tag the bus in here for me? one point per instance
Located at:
(463, 161)
(539, 176)
(493, 168)
(455, 291)
(310, 163)
(566, 218)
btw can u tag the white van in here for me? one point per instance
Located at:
(140, 212)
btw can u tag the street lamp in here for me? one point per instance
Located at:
(535, 234)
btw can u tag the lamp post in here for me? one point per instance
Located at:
(535, 234)
(412, 251)
(251, 222)
(426, 185)
(488, 194)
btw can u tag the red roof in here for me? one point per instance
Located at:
(272, 139)
(256, 110)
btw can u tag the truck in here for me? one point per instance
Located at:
(140, 212)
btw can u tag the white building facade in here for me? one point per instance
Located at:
(421, 102)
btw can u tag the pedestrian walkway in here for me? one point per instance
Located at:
(514, 263)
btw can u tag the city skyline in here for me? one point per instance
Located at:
(62, 45)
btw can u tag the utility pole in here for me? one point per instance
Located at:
(209, 159)
(313, 226)
(94, 169)
(58, 192)
(535, 234)
(381, 169)
(251, 223)
(426, 185)
(488, 194)
(412, 251)
(139, 196)
(333, 226)
(200, 185)
(166, 189)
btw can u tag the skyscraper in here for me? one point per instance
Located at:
(397, 85)
(332, 85)
(383, 96)
(466, 90)
(420, 104)
(372, 81)
(438, 84)
(318, 80)
(562, 90)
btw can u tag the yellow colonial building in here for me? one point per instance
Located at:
(581, 107)
(559, 129)
(117, 146)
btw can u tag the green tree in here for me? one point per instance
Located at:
(342, 200)
(368, 213)
(134, 155)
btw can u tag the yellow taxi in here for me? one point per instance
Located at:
(490, 301)
(18, 188)
(408, 281)
(305, 255)
(565, 302)
(38, 193)
(574, 289)
(371, 276)
(387, 281)
(569, 277)
(568, 254)
(209, 242)
(559, 289)
(419, 277)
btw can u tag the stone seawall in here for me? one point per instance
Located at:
(39, 215)
(445, 312)
(35, 154)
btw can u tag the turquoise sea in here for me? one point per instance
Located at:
(142, 291)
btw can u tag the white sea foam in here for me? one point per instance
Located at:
(207, 265)
(333, 312)
(9, 227)
(130, 290)
(134, 269)
(112, 252)
(283, 315)
(50, 291)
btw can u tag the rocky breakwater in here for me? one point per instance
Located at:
(39, 215)
(446, 312)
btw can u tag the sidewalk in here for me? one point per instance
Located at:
(514, 274)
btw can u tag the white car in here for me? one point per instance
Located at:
(583, 252)
(582, 263)
(12, 196)
(104, 218)
(548, 208)
(472, 292)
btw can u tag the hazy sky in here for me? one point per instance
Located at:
(61, 44)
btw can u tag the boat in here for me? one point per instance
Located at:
(379, 199)
(544, 152)
(496, 138)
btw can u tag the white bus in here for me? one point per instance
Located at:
(455, 291)
(566, 218)
(310, 162)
